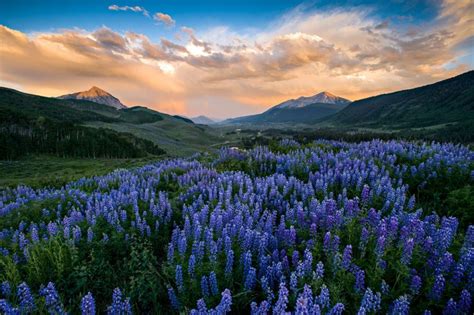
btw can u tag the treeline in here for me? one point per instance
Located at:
(457, 133)
(21, 135)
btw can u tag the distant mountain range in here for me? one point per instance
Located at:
(305, 110)
(94, 123)
(203, 120)
(96, 95)
(436, 105)
(446, 102)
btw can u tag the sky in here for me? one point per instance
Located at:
(232, 58)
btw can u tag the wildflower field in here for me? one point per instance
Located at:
(378, 227)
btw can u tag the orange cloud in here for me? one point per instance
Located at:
(222, 73)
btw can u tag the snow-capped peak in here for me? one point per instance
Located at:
(323, 97)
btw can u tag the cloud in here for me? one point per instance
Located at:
(234, 73)
(142, 10)
(164, 18)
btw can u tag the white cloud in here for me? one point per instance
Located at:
(142, 10)
(164, 18)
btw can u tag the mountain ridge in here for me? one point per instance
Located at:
(442, 102)
(320, 98)
(203, 120)
(305, 110)
(96, 95)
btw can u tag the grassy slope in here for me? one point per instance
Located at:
(448, 101)
(175, 136)
(39, 171)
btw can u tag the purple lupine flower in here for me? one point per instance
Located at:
(364, 238)
(52, 300)
(26, 300)
(213, 283)
(88, 304)
(347, 257)
(384, 287)
(170, 253)
(465, 301)
(319, 270)
(380, 247)
(293, 281)
(247, 261)
(295, 257)
(262, 309)
(360, 280)
(7, 309)
(191, 266)
(5, 289)
(90, 235)
(229, 263)
(337, 309)
(280, 305)
(201, 307)
(308, 261)
(307, 294)
(458, 275)
(364, 196)
(179, 278)
(250, 279)
(173, 298)
(52, 229)
(224, 305)
(415, 284)
(401, 306)
(411, 203)
(371, 302)
(204, 286)
(327, 242)
(301, 305)
(119, 306)
(446, 263)
(438, 287)
(323, 298)
(451, 308)
(76, 234)
(22, 241)
(34, 234)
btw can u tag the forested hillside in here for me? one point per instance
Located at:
(22, 135)
(31, 124)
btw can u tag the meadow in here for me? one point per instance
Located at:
(320, 227)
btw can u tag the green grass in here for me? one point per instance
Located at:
(176, 137)
(40, 171)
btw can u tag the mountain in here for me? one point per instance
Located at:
(203, 120)
(449, 101)
(320, 98)
(96, 95)
(187, 120)
(303, 110)
(139, 128)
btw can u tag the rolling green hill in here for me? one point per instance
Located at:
(141, 130)
(432, 106)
